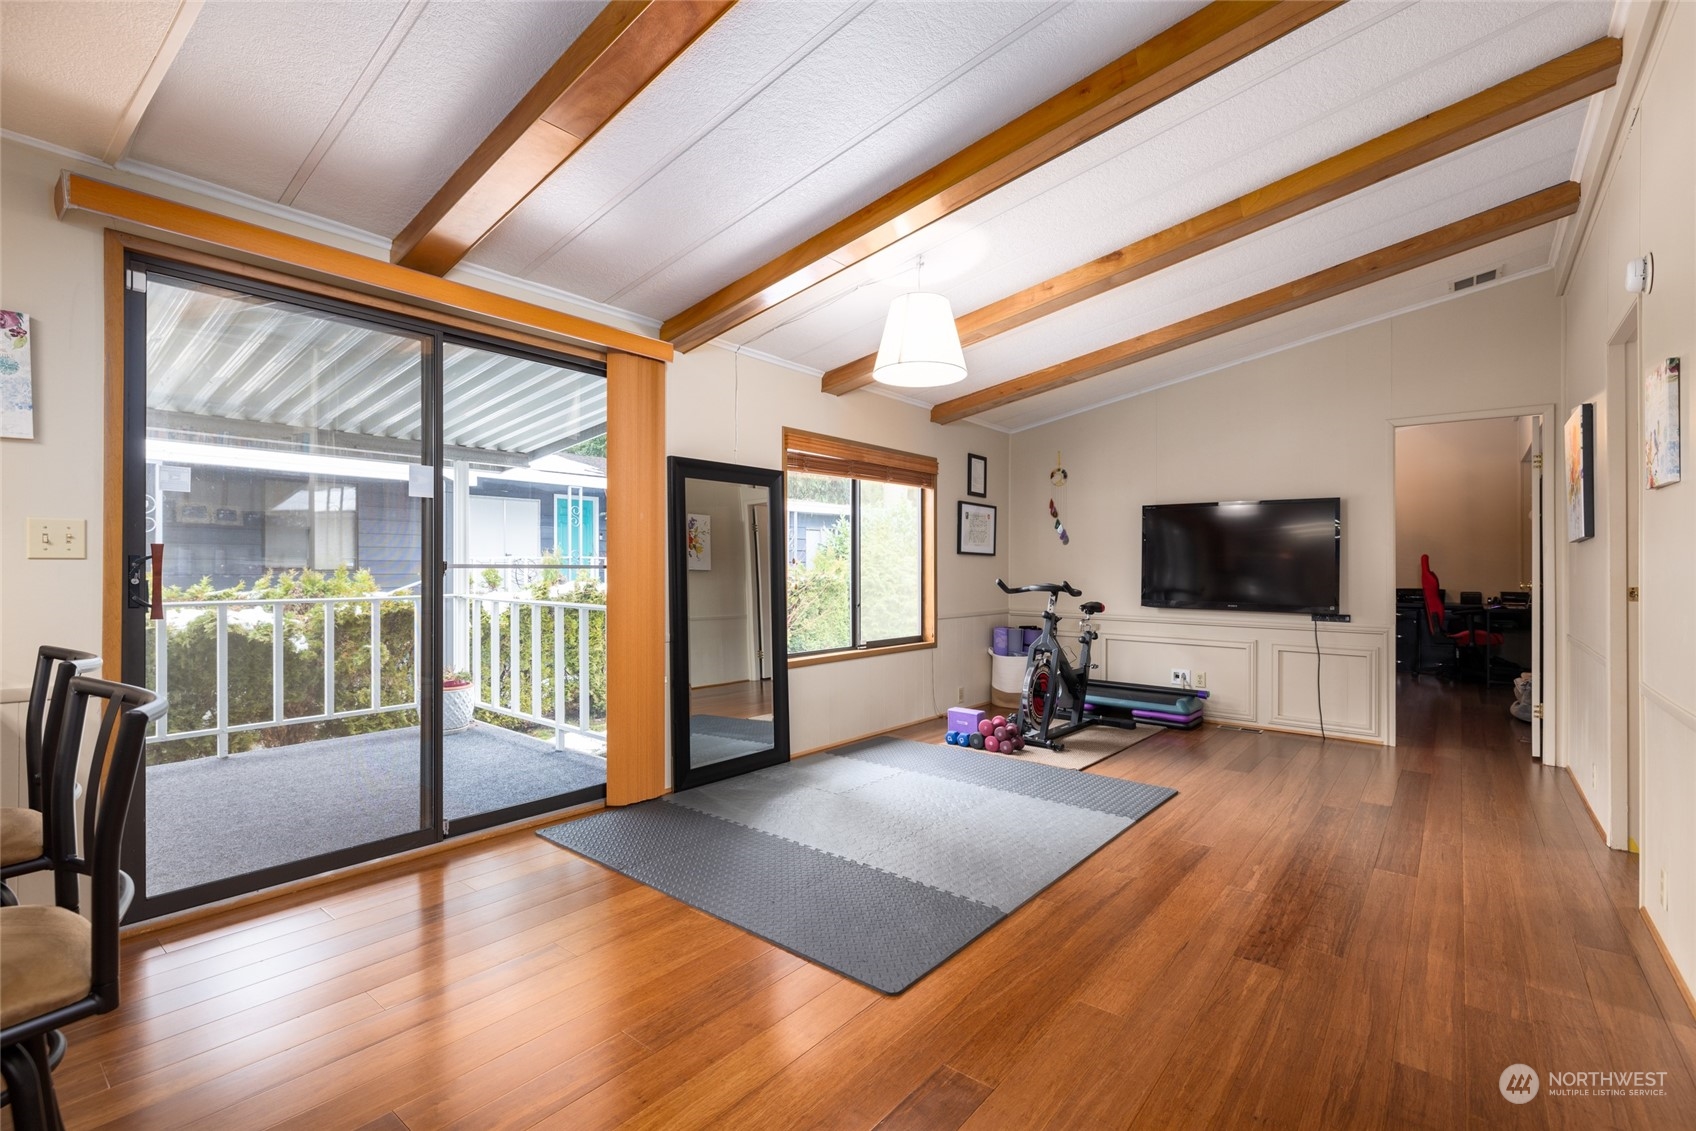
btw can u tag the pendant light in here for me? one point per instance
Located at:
(921, 348)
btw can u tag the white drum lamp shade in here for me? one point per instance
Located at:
(921, 348)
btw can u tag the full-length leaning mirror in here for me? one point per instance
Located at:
(729, 682)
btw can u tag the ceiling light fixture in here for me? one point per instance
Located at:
(921, 347)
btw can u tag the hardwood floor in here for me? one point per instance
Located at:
(732, 700)
(1309, 935)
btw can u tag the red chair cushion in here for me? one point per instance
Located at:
(1476, 638)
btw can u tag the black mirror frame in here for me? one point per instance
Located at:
(679, 470)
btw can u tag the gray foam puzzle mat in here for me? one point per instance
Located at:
(879, 861)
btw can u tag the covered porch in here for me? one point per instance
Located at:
(212, 818)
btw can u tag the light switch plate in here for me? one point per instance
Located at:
(57, 537)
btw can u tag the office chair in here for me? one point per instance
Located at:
(1465, 639)
(26, 832)
(55, 965)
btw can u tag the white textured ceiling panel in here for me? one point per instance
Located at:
(883, 96)
(1493, 172)
(255, 86)
(457, 73)
(1514, 256)
(69, 69)
(1287, 107)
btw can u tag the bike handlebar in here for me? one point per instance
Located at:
(1064, 587)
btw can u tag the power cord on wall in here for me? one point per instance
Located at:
(1318, 686)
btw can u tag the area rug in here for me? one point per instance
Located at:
(1086, 748)
(878, 861)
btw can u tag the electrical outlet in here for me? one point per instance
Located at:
(1200, 681)
(1180, 677)
(959, 695)
(57, 537)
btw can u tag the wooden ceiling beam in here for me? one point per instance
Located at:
(1179, 57)
(1559, 82)
(619, 53)
(1484, 227)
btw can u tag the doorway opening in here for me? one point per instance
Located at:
(1469, 556)
(1621, 476)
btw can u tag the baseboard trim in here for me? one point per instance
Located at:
(354, 872)
(1576, 788)
(1666, 956)
(1358, 740)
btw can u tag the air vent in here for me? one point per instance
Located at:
(1475, 280)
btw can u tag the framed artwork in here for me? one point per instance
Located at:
(1660, 424)
(698, 542)
(977, 529)
(1581, 473)
(977, 476)
(17, 383)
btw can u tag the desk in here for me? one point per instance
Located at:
(1490, 618)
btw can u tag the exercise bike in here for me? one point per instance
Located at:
(1054, 701)
(1058, 699)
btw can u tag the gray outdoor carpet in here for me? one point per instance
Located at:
(717, 738)
(878, 861)
(218, 817)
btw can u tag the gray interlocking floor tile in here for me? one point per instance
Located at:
(1070, 787)
(874, 927)
(879, 863)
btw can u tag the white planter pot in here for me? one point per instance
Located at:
(457, 705)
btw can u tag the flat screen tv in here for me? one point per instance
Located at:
(1271, 556)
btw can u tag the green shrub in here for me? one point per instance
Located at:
(193, 644)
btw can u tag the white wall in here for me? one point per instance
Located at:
(1458, 499)
(1311, 421)
(720, 598)
(1645, 203)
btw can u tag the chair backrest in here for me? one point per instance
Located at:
(1433, 596)
(54, 668)
(114, 763)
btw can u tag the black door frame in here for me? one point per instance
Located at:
(679, 470)
(133, 659)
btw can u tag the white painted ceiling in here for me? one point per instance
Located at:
(785, 116)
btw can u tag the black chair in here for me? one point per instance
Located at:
(25, 833)
(57, 967)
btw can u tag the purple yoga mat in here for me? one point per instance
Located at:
(1164, 717)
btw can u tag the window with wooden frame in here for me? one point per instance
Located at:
(861, 546)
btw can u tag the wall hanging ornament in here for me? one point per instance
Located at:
(1057, 480)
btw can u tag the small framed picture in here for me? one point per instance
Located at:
(977, 476)
(977, 528)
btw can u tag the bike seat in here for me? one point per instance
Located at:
(1090, 608)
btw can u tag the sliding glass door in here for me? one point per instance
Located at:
(524, 602)
(291, 466)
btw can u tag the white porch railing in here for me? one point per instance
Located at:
(507, 661)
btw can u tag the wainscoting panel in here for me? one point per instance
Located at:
(1349, 678)
(1229, 664)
